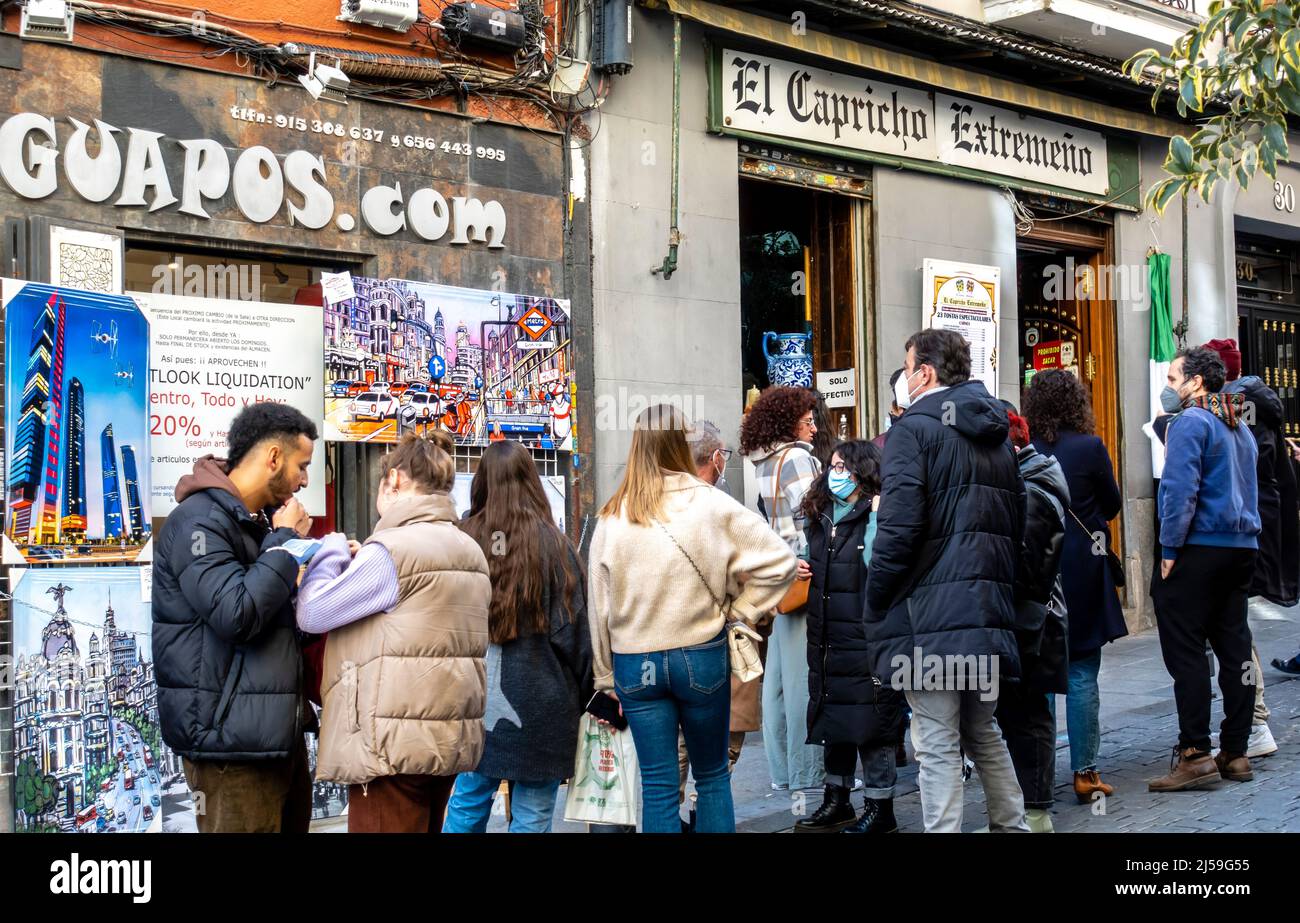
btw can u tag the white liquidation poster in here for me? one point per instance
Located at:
(963, 297)
(212, 357)
(552, 484)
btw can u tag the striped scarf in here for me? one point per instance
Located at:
(1227, 407)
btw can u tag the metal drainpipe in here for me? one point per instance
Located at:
(674, 235)
(1186, 322)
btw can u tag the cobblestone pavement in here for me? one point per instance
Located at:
(1139, 727)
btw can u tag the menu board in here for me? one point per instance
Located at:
(963, 297)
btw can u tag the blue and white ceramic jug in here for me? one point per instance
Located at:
(789, 364)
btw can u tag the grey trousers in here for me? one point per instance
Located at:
(944, 724)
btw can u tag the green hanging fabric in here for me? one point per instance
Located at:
(1162, 347)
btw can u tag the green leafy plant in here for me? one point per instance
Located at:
(1241, 68)
(34, 792)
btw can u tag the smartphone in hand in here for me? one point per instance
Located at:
(606, 709)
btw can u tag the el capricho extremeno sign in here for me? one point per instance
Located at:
(786, 100)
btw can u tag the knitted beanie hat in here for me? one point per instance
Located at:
(1230, 354)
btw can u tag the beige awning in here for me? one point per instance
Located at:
(930, 73)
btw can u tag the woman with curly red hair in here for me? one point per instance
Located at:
(776, 436)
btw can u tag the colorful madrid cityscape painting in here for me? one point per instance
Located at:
(480, 364)
(88, 752)
(77, 483)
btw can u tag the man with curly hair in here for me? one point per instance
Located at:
(1209, 534)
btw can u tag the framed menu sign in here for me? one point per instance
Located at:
(964, 297)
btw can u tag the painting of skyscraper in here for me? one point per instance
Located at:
(74, 464)
(136, 522)
(76, 363)
(112, 487)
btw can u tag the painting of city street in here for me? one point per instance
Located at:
(88, 752)
(76, 410)
(484, 366)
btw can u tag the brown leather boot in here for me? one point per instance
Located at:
(1233, 766)
(1188, 768)
(1087, 784)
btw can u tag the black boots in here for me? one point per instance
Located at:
(877, 817)
(834, 814)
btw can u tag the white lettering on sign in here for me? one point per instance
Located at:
(263, 184)
(839, 387)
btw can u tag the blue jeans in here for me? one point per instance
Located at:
(532, 804)
(1083, 712)
(687, 688)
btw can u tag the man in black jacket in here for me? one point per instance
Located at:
(226, 652)
(940, 611)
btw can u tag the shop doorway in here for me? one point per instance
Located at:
(1067, 285)
(801, 278)
(1268, 317)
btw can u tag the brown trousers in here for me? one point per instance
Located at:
(251, 796)
(399, 804)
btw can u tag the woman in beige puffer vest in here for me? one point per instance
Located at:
(404, 682)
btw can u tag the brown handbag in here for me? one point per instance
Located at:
(796, 597)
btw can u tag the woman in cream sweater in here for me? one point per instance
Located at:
(672, 560)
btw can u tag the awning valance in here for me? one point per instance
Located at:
(938, 76)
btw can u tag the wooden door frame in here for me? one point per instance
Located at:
(1102, 324)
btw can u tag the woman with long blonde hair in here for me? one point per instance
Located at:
(672, 561)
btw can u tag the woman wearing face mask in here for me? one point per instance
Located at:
(404, 681)
(1059, 412)
(849, 714)
(894, 410)
(776, 436)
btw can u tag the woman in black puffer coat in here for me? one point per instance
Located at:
(850, 712)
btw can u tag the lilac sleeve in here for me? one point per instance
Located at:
(338, 590)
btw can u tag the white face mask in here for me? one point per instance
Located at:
(902, 396)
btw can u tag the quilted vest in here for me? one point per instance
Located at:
(404, 690)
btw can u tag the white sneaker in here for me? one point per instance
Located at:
(857, 785)
(1261, 742)
(779, 788)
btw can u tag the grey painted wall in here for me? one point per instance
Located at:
(678, 338)
(919, 216)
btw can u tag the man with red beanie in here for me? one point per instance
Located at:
(1277, 567)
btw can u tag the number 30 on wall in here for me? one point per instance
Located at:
(1284, 197)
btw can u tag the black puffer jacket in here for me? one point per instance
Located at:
(1277, 566)
(226, 654)
(1041, 627)
(846, 704)
(948, 537)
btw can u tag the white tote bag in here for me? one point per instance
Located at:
(604, 787)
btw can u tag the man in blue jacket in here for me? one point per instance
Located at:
(226, 651)
(1209, 527)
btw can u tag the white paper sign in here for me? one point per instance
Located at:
(210, 359)
(146, 584)
(964, 297)
(336, 287)
(839, 388)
